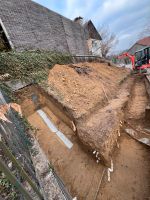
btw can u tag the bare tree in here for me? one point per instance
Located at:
(145, 32)
(109, 41)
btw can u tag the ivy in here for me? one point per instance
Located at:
(30, 65)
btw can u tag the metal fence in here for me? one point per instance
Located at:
(14, 148)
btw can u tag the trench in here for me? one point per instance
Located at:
(78, 169)
(54, 132)
(131, 177)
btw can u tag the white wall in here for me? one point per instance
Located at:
(95, 47)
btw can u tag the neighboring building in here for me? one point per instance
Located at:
(27, 25)
(140, 44)
(94, 39)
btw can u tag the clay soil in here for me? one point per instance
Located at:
(83, 86)
(79, 171)
(131, 177)
(138, 101)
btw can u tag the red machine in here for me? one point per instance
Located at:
(140, 60)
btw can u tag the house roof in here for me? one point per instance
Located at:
(30, 26)
(93, 33)
(144, 41)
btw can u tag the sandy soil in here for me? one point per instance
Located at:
(83, 89)
(99, 131)
(82, 86)
(79, 171)
(131, 177)
(138, 102)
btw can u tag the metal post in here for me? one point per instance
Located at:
(14, 181)
(20, 168)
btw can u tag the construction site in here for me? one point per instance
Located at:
(91, 121)
(73, 125)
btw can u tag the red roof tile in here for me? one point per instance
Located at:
(145, 41)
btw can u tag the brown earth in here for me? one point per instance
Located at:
(89, 92)
(138, 102)
(79, 171)
(93, 90)
(131, 177)
(77, 166)
(83, 86)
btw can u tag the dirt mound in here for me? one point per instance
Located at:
(90, 93)
(84, 86)
(100, 131)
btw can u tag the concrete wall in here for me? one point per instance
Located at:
(31, 26)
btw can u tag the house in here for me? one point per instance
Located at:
(140, 44)
(94, 39)
(27, 25)
(31, 26)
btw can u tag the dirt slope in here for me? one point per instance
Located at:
(83, 86)
(131, 177)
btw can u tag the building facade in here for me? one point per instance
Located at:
(94, 39)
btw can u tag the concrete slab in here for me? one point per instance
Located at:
(16, 85)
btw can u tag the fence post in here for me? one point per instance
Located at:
(20, 168)
(13, 180)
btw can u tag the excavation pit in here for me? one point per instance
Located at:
(77, 119)
(73, 163)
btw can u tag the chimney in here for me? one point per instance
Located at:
(79, 20)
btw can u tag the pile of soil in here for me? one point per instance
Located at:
(130, 179)
(84, 86)
(100, 130)
(89, 92)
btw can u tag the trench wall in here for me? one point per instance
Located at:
(147, 84)
(33, 98)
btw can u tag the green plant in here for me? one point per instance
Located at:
(30, 65)
(7, 190)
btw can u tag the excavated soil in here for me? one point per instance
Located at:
(78, 170)
(85, 90)
(94, 97)
(131, 177)
(84, 86)
(138, 102)
(74, 93)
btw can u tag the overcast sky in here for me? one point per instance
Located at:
(125, 18)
